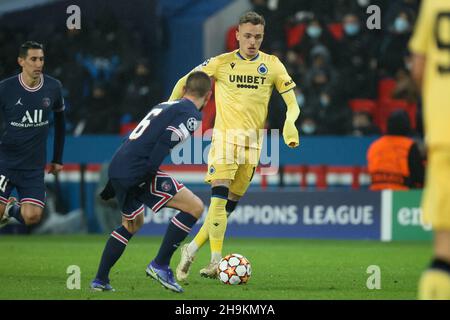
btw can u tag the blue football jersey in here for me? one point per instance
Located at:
(166, 125)
(25, 113)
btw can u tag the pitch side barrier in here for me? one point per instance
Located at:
(300, 209)
(385, 215)
(274, 212)
(323, 150)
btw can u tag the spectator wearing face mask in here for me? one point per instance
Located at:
(333, 115)
(393, 48)
(391, 10)
(317, 82)
(357, 78)
(316, 34)
(308, 124)
(320, 74)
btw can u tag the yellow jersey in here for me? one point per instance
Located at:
(243, 88)
(432, 39)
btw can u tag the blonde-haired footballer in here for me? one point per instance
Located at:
(244, 80)
(430, 46)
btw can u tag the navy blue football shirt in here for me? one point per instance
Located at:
(25, 113)
(166, 125)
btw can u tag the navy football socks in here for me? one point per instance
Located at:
(230, 206)
(440, 264)
(178, 229)
(15, 213)
(114, 248)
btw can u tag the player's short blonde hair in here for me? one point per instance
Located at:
(253, 18)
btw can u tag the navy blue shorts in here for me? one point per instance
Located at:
(28, 183)
(154, 194)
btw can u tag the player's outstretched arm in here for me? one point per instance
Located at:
(290, 132)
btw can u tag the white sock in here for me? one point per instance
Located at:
(216, 257)
(192, 248)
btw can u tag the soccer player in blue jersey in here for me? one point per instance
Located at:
(26, 103)
(135, 181)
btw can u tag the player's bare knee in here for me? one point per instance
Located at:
(131, 226)
(32, 216)
(134, 225)
(233, 197)
(197, 208)
(221, 182)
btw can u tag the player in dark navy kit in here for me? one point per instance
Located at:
(135, 181)
(26, 103)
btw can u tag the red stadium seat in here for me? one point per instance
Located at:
(369, 106)
(231, 41)
(364, 105)
(387, 106)
(126, 128)
(209, 112)
(385, 88)
(294, 34)
(336, 30)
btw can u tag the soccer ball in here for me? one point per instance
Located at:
(234, 269)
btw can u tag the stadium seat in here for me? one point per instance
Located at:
(336, 30)
(369, 106)
(126, 128)
(209, 112)
(385, 88)
(231, 42)
(294, 34)
(387, 106)
(364, 105)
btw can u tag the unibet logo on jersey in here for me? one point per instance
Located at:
(33, 119)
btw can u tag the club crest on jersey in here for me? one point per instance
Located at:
(46, 102)
(191, 124)
(262, 69)
(166, 186)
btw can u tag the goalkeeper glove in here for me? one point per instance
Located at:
(290, 134)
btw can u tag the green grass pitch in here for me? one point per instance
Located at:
(34, 267)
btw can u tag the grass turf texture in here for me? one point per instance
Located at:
(34, 267)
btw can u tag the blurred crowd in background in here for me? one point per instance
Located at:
(349, 78)
(107, 73)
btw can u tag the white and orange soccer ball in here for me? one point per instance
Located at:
(234, 269)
